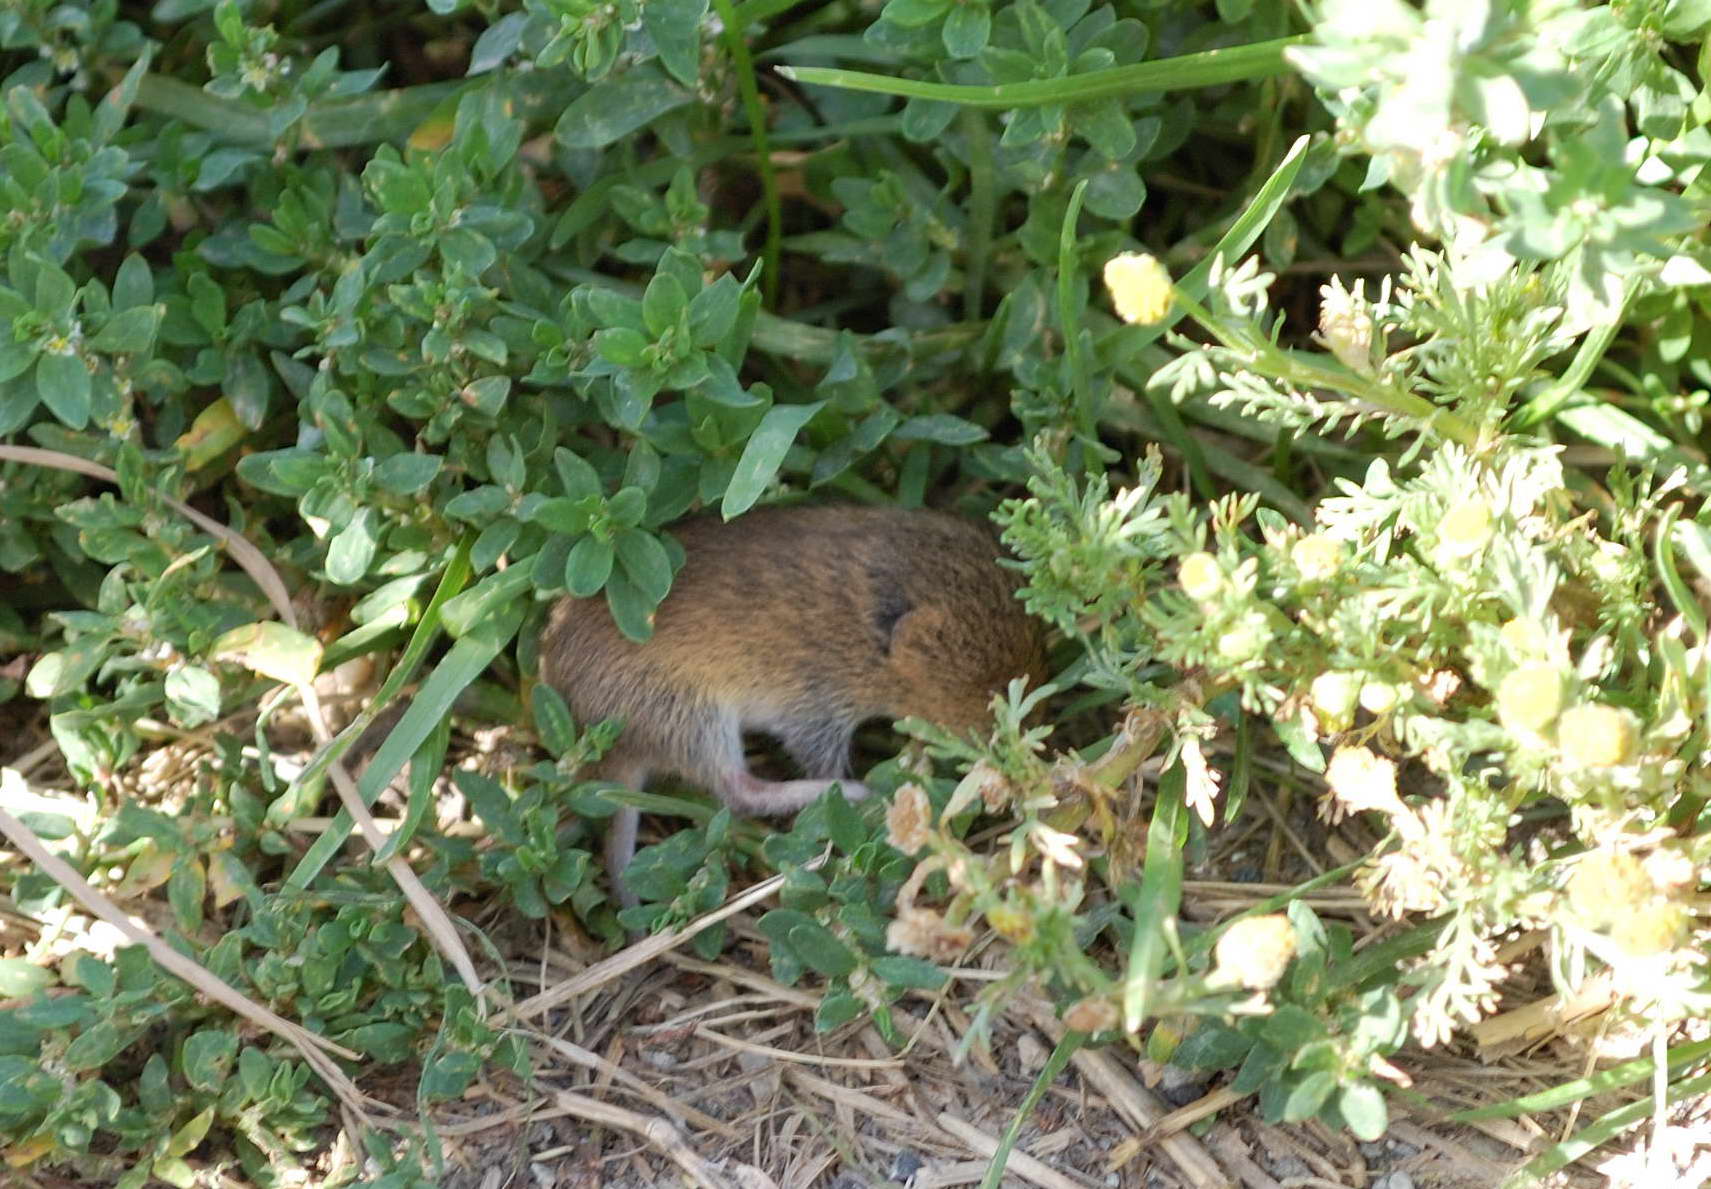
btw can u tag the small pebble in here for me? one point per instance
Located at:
(1394, 1180)
(905, 1166)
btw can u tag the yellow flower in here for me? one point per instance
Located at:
(1334, 696)
(1200, 576)
(1530, 697)
(1316, 556)
(1245, 640)
(1464, 528)
(1140, 288)
(1254, 953)
(1378, 697)
(1593, 735)
(1524, 638)
(1656, 928)
(1608, 885)
(1011, 923)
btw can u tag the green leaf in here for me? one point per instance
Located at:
(897, 970)
(477, 506)
(632, 610)
(943, 428)
(193, 694)
(576, 474)
(129, 332)
(207, 1059)
(820, 949)
(663, 304)
(406, 474)
(552, 719)
(837, 1008)
(618, 106)
(764, 454)
(352, 550)
(628, 506)
(589, 566)
(713, 311)
(1363, 1109)
(967, 29)
(622, 346)
(912, 14)
(272, 650)
(645, 563)
(20, 979)
(15, 358)
(1304, 1099)
(63, 383)
(560, 515)
(675, 26)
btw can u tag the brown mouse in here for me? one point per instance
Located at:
(800, 623)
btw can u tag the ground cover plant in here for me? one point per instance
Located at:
(1335, 372)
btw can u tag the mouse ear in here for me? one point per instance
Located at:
(923, 632)
(890, 608)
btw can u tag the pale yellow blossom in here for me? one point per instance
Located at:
(1139, 286)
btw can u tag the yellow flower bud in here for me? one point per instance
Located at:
(1246, 640)
(1316, 556)
(1524, 639)
(1011, 923)
(1139, 286)
(1465, 528)
(1656, 928)
(1593, 735)
(1335, 696)
(1378, 697)
(1201, 576)
(1608, 885)
(1530, 697)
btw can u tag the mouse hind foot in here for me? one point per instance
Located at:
(771, 798)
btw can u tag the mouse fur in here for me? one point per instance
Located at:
(800, 623)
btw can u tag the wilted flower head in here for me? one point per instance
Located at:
(908, 823)
(1096, 1014)
(923, 933)
(1345, 324)
(1361, 780)
(1254, 953)
(1139, 286)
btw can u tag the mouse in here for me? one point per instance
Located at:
(798, 622)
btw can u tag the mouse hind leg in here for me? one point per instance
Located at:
(625, 769)
(820, 746)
